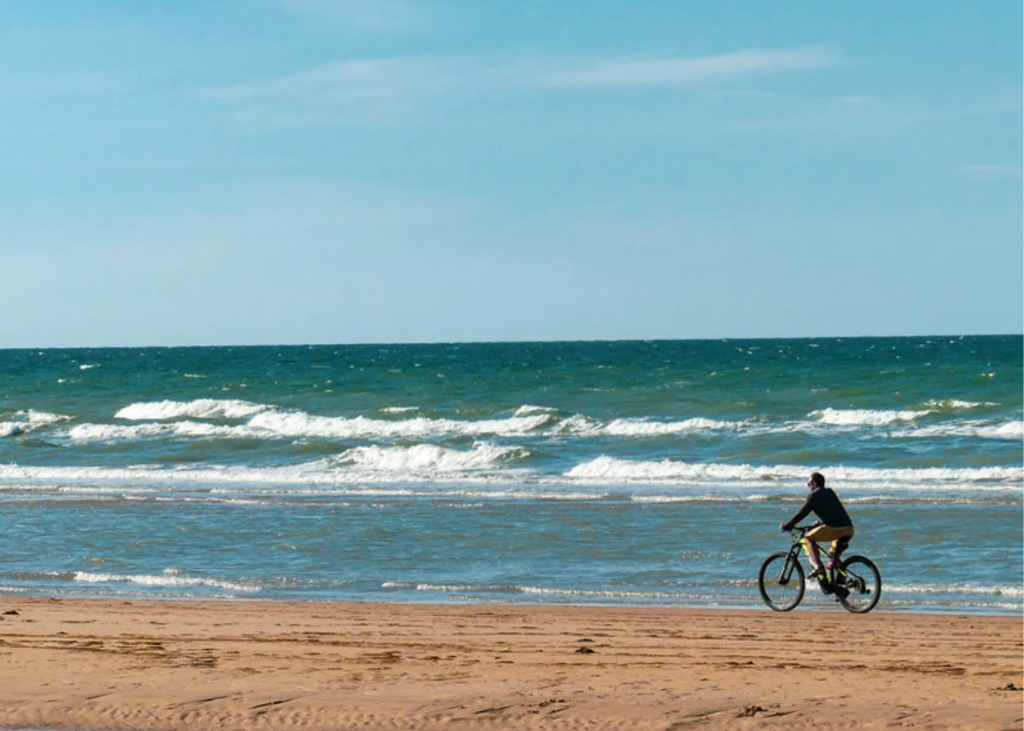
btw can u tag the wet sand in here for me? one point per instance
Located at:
(100, 665)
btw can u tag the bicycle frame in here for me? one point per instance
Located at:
(854, 580)
(831, 566)
(791, 560)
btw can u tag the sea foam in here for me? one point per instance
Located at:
(169, 578)
(864, 417)
(198, 409)
(121, 432)
(301, 424)
(642, 427)
(1011, 430)
(179, 420)
(615, 469)
(429, 458)
(957, 404)
(534, 590)
(29, 420)
(490, 464)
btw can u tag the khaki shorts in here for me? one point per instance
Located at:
(824, 533)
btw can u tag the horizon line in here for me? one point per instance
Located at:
(326, 344)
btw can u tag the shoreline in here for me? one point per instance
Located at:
(164, 665)
(812, 604)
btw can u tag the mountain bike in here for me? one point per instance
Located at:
(855, 581)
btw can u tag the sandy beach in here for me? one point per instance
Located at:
(138, 665)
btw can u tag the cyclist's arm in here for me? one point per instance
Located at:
(800, 515)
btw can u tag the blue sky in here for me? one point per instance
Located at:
(344, 171)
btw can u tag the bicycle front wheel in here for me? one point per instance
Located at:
(858, 584)
(781, 582)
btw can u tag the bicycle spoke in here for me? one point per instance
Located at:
(781, 582)
(859, 584)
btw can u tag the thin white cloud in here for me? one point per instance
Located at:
(417, 78)
(355, 80)
(675, 70)
(381, 91)
(993, 172)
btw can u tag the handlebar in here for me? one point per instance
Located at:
(799, 529)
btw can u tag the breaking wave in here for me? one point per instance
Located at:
(534, 590)
(1011, 430)
(612, 469)
(950, 404)
(118, 432)
(169, 578)
(496, 465)
(1013, 590)
(198, 409)
(865, 417)
(429, 458)
(300, 424)
(23, 422)
(211, 418)
(641, 427)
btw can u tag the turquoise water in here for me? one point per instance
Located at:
(651, 473)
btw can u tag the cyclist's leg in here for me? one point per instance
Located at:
(818, 571)
(841, 543)
(827, 534)
(821, 533)
(811, 549)
(816, 557)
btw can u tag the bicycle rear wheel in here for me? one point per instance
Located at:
(781, 582)
(858, 584)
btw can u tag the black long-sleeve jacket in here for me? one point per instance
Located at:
(825, 504)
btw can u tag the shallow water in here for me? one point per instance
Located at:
(651, 473)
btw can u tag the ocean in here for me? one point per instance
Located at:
(650, 473)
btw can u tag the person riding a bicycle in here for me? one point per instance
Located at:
(833, 523)
(854, 581)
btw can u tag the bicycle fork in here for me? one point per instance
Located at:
(788, 568)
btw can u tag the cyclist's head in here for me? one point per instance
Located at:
(817, 480)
